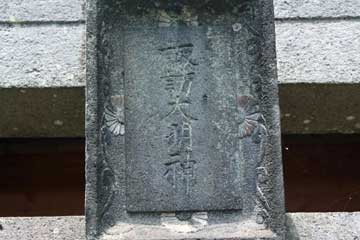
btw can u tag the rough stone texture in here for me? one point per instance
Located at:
(72, 10)
(323, 226)
(316, 8)
(41, 10)
(42, 55)
(300, 226)
(42, 228)
(53, 55)
(318, 51)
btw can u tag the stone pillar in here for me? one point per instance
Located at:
(183, 136)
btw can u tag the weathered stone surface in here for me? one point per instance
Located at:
(72, 10)
(41, 10)
(316, 8)
(318, 51)
(308, 52)
(323, 226)
(42, 228)
(183, 138)
(299, 226)
(42, 55)
(182, 103)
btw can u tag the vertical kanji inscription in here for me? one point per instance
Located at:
(178, 77)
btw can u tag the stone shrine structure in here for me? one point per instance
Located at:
(183, 135)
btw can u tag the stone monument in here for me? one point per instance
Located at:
(183, 136)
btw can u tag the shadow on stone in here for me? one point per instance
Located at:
(291, 231)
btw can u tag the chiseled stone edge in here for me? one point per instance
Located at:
(300, 226)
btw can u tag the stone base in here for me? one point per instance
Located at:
(239, 230)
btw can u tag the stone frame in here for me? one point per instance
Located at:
(100, 183)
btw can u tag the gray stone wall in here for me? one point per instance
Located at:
(42, 55)
(300, 226)
(42, 11)
(42, 89)
(317, 48)
(317, 42)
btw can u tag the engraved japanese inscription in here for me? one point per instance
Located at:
(183, 130)
(183, 153)
(178, 78)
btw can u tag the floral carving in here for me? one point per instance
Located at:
(114, 116)
(249, 116)
(252, 124)
(263, 208)
(107, 176)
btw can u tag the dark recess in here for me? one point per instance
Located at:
(321, 173)
(42, 177)
(45, 177)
